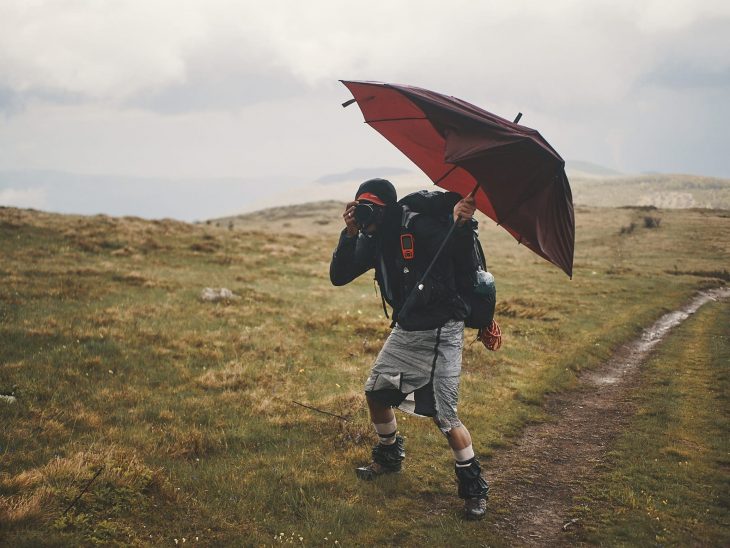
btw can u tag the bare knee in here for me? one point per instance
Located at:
(444, 426)
(379, 412)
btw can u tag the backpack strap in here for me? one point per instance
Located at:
(479, 251)
(382, 297)
(407, 218)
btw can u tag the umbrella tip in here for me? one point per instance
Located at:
(517, 119)
(348, 103)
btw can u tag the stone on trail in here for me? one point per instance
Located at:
(211, 294)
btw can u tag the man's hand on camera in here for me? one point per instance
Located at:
(464, 210)
(349, 217)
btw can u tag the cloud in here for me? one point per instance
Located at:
(705, 64)
(98, 49)
(186, 55)
(224, 87)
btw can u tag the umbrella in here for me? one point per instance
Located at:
(518, 179)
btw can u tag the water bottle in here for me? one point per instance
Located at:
(484, 284)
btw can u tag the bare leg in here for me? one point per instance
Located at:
(459, 438)
(379, 413)
(389, 452)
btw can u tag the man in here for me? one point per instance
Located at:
(421, 359)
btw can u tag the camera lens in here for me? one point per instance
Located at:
(364, 214)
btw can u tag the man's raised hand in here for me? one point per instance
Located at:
(349, 217)
(464, 210)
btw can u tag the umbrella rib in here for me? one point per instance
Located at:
(437, 181)
(396, 119)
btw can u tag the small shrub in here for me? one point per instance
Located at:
(628, 229)
(205, 247)
(651, 222)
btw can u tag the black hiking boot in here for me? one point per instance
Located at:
(387, 459)
(474, 489)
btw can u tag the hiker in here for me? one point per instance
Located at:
(419, 365)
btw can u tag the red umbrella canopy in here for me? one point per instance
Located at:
(521, 179)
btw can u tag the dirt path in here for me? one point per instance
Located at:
(534, 482)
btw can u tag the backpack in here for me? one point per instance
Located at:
(475, 283)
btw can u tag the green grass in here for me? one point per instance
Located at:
(666, 481)
(115, 362)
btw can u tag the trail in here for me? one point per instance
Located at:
(534, 482)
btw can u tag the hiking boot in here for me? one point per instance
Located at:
(387, 459)
(473, 488)
(475, 508)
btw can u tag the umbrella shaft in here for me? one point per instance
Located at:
(419, 285)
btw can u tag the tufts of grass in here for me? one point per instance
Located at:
(61, 496)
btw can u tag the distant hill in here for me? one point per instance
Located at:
(360, 174)
(213, 198)
(307, 218)
(580, 168)
(148, 197)
(659, 190)
(673, 191)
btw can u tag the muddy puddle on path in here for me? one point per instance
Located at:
(534, 482)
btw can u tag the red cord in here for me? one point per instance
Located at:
(491, 337)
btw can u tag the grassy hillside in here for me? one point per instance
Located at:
(184, 408)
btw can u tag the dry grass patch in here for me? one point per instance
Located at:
(193, 442)
(32, 507)
(131, 278)
(41, 494)
(233, 376)
(355, 431)
(241, 376)
(524, 309)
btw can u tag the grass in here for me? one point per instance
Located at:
(666, 481)
(187, 406)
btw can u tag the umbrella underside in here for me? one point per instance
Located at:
(521, 180)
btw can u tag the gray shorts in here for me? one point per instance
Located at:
(418, 371)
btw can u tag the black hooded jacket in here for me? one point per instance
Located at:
(396, 276)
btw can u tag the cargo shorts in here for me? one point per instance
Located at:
(418, 372)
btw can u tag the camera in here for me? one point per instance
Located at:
(367, 214)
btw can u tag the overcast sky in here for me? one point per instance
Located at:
(249, 90)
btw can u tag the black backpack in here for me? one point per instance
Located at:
(475, 284)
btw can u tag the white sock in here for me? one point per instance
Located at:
(464, 455)
(386, 432)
